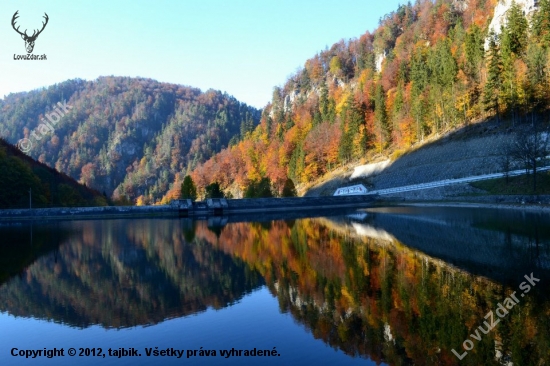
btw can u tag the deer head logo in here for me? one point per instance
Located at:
(29, 40)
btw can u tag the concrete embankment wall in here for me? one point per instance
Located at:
(446, 159)
(476, 150)
(85, 212)
(296, 203)
(233, 207)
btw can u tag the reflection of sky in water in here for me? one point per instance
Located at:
(365, 282)
(253, 322)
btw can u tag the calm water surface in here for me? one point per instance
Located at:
(395, 286)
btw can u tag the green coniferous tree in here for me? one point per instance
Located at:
(188, 189)
(260, 189)
(354, 140)
(213, 190)
(540, 24)
(474, 53)
(514, 34)
(536, 59)
(381, 117)
(346, 143)
(512, 47)
(443, 71)
(326, 105)
(419, 81)
(264, 188)
(297, 163)
(289, 190)
(491, 92)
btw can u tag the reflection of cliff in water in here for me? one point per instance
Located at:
(348, 280)
(122, 273)
(502, 245)
(356, 287)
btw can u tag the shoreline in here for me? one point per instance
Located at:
(528, 207)
(277, 206)
(199, 209)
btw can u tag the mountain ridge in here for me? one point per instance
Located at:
(125, 136)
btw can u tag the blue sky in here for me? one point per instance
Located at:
(243, 47)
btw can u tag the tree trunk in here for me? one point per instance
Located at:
(535, 175)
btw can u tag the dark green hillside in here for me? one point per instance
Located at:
(20, 173)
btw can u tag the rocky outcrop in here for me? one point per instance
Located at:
(499, 17)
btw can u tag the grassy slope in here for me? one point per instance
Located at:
(516, 185)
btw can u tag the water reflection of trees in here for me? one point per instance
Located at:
(127, 273)
(22, 244)
(360, 290)
(350, 282)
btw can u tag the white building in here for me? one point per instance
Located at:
(351, 191)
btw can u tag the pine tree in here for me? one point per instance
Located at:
(514, 35)
(213, 190)
(354, 137)
(419, 81)
(491, 93)
(260, 189)
(289, 190)
(512, 47)
(541, 23)
(443, 71)
(326, 105)
(346, 143)
(188, 189)
(537, 75)
(381, 117)
(474, 53)
(442, 65)
(297, 163)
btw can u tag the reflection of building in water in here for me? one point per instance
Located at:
(469, 244)
(371, 232)
(389, 295)
(348, 280)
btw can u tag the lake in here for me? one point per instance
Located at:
(387, 285)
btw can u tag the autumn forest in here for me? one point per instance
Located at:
(429, 68)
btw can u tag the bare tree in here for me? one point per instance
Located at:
(506, 160)
(531, 147)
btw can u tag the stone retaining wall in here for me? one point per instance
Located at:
(202, 208)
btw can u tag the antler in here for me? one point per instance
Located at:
(34, 35)
(15, 16)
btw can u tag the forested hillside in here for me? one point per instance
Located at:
(126, 137)
(429, 67)
(24, 181)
